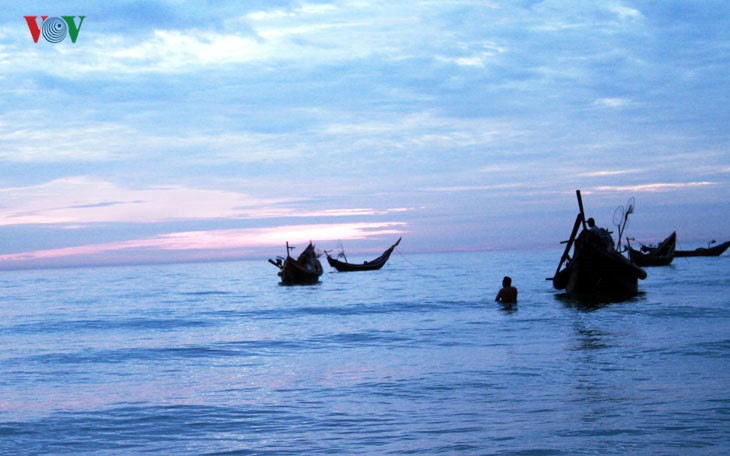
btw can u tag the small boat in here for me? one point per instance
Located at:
(305, 270)
(596, 269)
(660, 255)
(717, 250)
(373, 265)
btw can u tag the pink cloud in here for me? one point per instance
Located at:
(228, 239)
(78, 201)
(656, 187)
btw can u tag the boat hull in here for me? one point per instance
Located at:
(662, 255)
(596, 271)
(374, 265)
(305, 270)
(711, 251)
(294, 273)
(341, 266)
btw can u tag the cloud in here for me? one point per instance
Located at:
(304, 34)
(624, 12)
(478, 58)
(84, 200)
(654, 187)
(229, 239)
(614, 103)
(416, 131)
(613, 172)
(180, 50)
(474, 188)
(22, 141)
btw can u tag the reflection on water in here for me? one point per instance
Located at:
(590, 339)
(592, 303)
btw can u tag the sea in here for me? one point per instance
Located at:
(417, 358)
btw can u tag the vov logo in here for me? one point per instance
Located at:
(54, 29)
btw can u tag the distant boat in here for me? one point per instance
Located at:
(717, 250)
(373, 265)
(661, 255)
(596, 269)
(305, 270)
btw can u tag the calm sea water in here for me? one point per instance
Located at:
(413, 359)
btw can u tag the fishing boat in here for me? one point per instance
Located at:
(717, 250)
(595, 269)
(305, 270)
(660, 255)
(373, 265)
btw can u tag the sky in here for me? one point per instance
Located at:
(190, 131)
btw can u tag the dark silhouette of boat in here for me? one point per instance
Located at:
(305, 270)
(660, 255)
(596, 269)
(717, 250)
(373, 265)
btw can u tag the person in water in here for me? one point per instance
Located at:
(508, 293)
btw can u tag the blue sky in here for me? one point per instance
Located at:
(175, 131)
